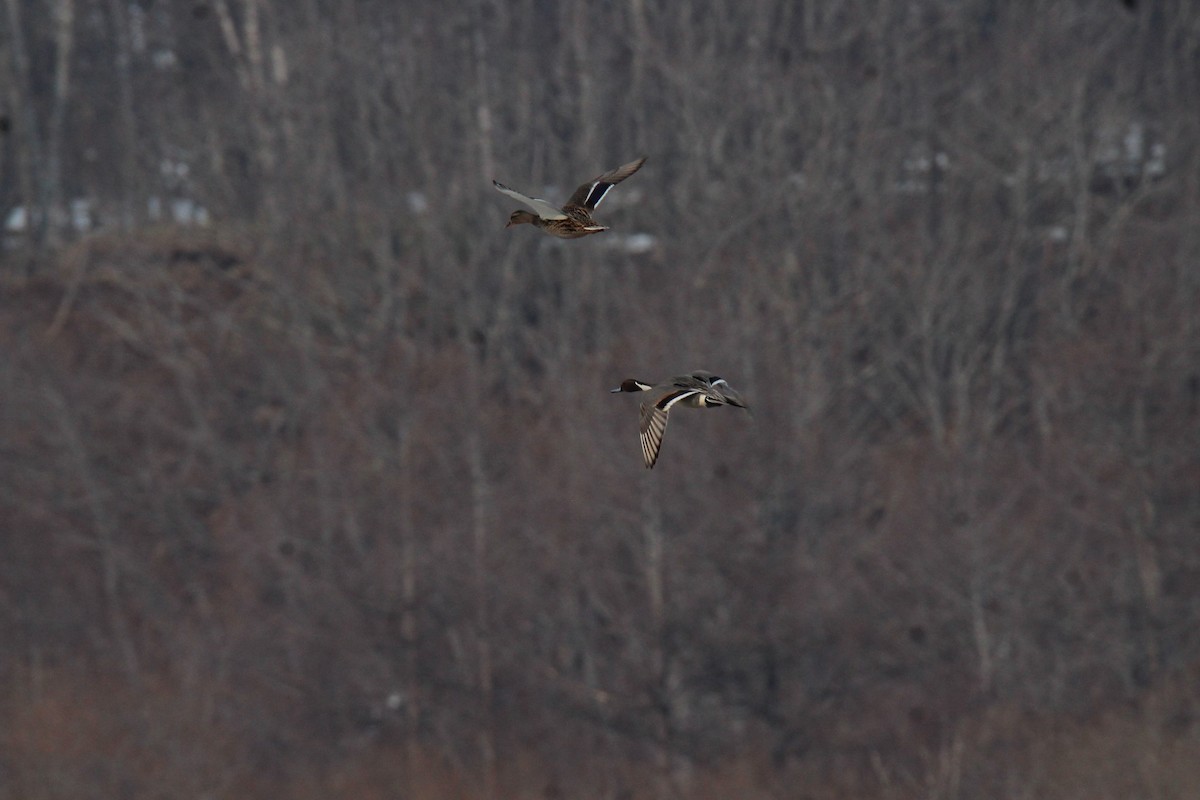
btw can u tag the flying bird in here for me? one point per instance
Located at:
(698, 389)
(575, 218)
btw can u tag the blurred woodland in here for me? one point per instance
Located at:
(311, 487)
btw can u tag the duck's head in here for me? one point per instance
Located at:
(632, 385)
(519, 217)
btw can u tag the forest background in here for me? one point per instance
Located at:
(310, 484)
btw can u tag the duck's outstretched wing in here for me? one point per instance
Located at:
(591, 193)
(540, 207)
(654, 421)
(653, 426)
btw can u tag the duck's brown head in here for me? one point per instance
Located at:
(632, 385)
(519, 217)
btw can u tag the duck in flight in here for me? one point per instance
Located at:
(575, 218)
(698, 389)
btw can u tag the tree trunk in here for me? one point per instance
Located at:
(480, 501)
(408, 604)
(28, 129)
(655, 577)
(57, 220)
(128, 185)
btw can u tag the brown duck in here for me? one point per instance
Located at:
(575, 218)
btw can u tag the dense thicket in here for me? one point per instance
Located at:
(310, 484)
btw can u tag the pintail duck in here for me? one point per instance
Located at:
(575, 218)
(698, 389)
